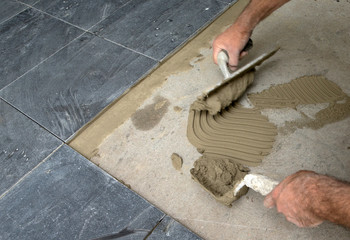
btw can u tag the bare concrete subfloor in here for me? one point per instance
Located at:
(314, 37)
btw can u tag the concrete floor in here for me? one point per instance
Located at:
(314, 40)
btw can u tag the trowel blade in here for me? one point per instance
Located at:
(239, 72)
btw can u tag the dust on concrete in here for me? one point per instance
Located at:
(148, 117)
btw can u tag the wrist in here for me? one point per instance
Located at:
(332, 199)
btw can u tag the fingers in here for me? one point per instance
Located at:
(243, 54)
(269, 202)
(216, 51)
(233, 60)
(271, 198)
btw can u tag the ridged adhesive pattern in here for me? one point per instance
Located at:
(240, 134)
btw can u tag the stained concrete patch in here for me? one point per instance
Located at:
(177, 109)
(148, 117)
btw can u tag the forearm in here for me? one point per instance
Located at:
(255, 12)
(334, 200)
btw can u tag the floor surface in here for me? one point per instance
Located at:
(313, 36)
(62, 63)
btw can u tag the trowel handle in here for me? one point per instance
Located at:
(223, 59)
(222, 62)
(260, 183)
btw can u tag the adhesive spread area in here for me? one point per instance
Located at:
(240, 134)
(303, 90)
(306, 90)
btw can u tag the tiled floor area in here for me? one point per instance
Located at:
(62, 62)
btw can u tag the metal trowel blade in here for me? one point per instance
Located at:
(239, 72)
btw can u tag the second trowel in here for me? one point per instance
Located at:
(221, 95)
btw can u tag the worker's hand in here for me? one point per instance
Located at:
(297, 198)
(233, 41)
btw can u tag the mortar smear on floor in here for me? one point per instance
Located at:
(244, 136)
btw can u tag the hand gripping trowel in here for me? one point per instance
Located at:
(221, 95)
(228, 77)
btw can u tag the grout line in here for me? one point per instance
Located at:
(155, 227)
(28, 4)
(121, 45)
(33, 120)
(127, 2)
(16, 13)
(25, 175)
(59, 19)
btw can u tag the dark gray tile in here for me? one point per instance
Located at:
(75, 84)
(9, 8)
(23, 145)
(68, 197)
(82, 13)
(157, 27)
(29, 38)
(168, 228)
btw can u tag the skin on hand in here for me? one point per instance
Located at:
(232, 41)
(297, 197)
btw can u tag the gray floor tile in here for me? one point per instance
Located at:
(9, 8)
(29, 38)
(168, 228)
(71, 87)
(23, 145)
(157, 27)
(82, 13)
(68, 197)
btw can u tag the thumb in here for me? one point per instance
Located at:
(233, 60)
(269, 201)
(216, 51)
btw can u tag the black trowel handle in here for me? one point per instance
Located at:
(248, 46)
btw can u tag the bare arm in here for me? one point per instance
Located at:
(307, 199)
(236, 36)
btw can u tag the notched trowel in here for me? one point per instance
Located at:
(259, 183)
(221, 95)
(228, 77)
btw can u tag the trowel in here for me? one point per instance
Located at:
(221, 95)
(228, 76)
(259, 183)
